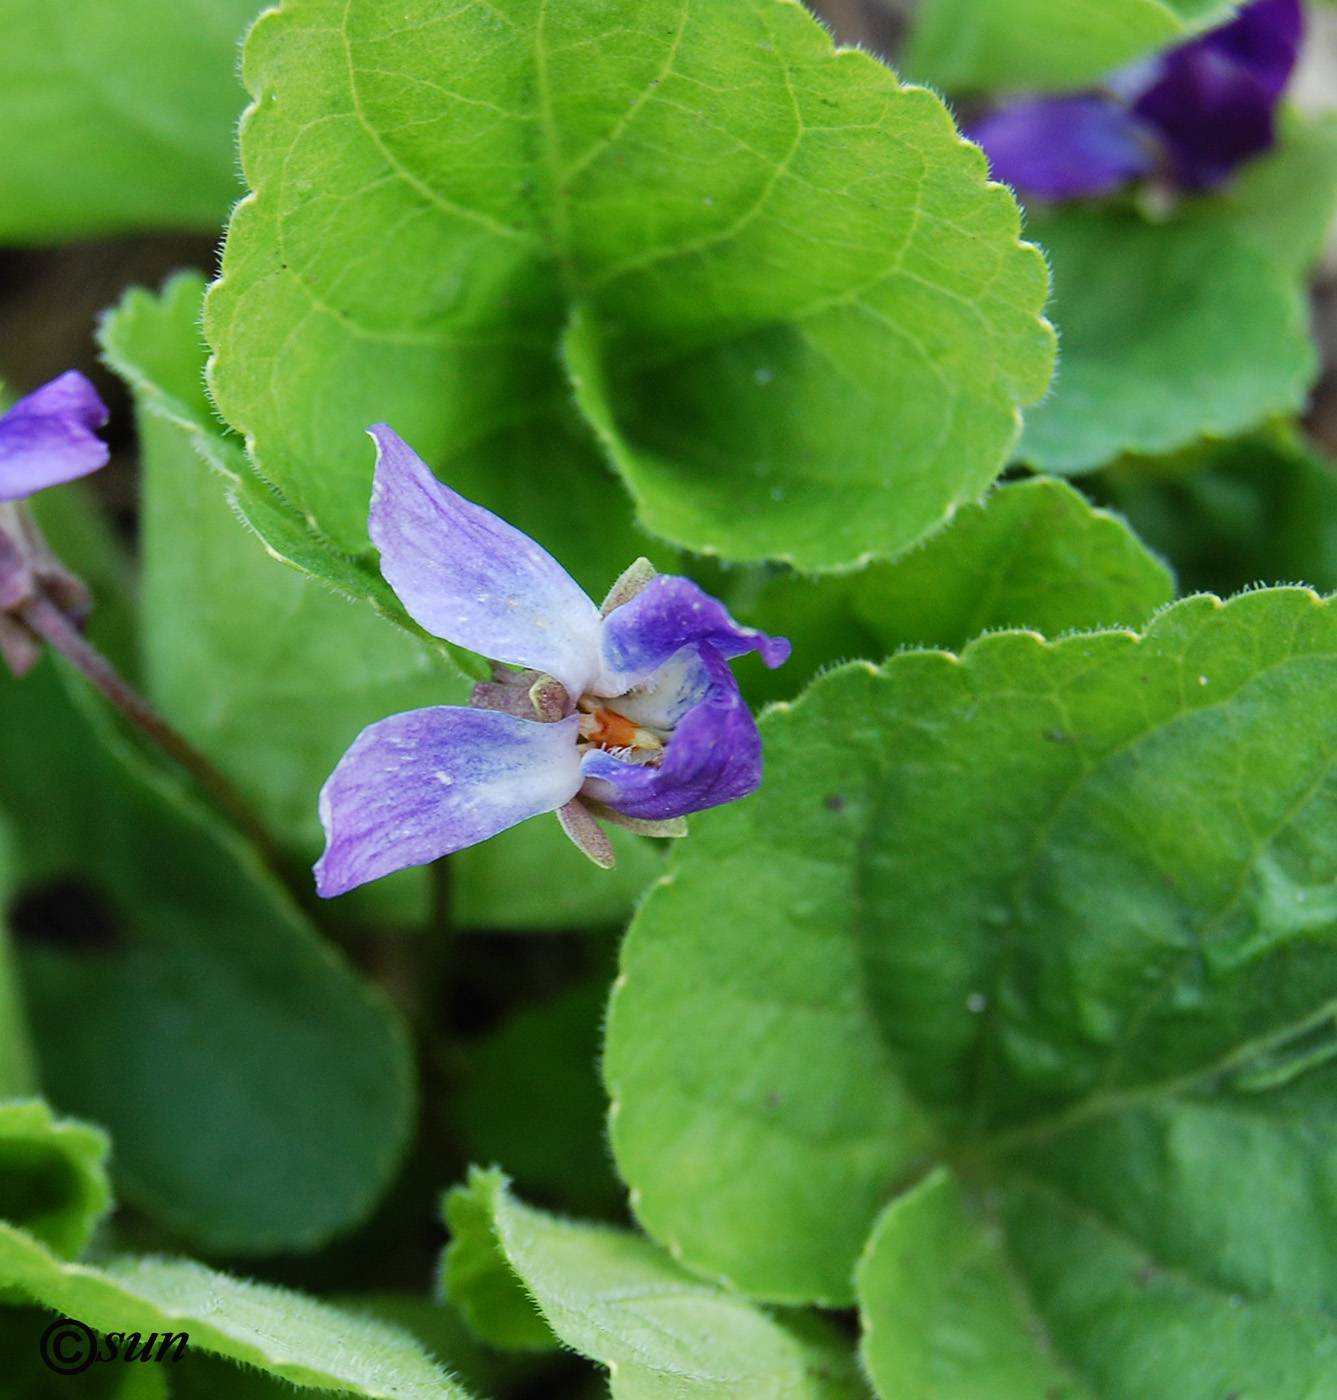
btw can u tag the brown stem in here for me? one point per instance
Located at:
(56, 629)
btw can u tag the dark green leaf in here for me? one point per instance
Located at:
(1195, 325)
(53, 1179)
(260, 1095)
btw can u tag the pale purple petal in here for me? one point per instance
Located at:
(468, 576)
(48, 437)
(1064, 147)
(713, 757)
(424, 783)
(670, 613)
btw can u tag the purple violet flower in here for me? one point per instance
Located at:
(629, 713)
(1191, 116)
(45, 439)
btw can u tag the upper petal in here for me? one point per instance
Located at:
(424, 783)
(468, 576)
(1210, 113)
(1263, 38)
(48, 437)
(713, 757)
(1064, 147)
(670, 613)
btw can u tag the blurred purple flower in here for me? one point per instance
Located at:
(45, 439)
(1190, 116)
(629, 713)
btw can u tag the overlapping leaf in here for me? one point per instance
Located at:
(796, 316)
(616, 1298)
(273, 676)
(1062, 915)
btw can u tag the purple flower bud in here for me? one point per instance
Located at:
(49, 437)
(45, 439)
(631, 712)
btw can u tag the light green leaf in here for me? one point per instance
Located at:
(1001, 45)
(755, 1114)
(942, 1319)
(302, 1341)
(118, 115)
(53, 1179)
(616, 1298)
(557, 190)
(1066, 881)
(259, 1093)
(1194, 326)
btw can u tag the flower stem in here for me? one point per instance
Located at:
(56, 629)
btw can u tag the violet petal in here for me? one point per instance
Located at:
(1064, 147)
(1210, 114)
(713, 757)
(48, 437)
(418, 785)
(468, 576)
(670, 613)
(1263, 38)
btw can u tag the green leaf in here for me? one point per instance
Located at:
(966, 45)
(616, 1298)
(117, 115)
(53, 1179)
(1258, 509)
(941, 1317)
(477, 1277)
(1016, 904)
(1033, 555)
(559, 192)
(283, 1334)
(259, 1093)
(1194, 326)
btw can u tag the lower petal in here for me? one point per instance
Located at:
(424, 783)
(713, 757)
(1064, 147)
